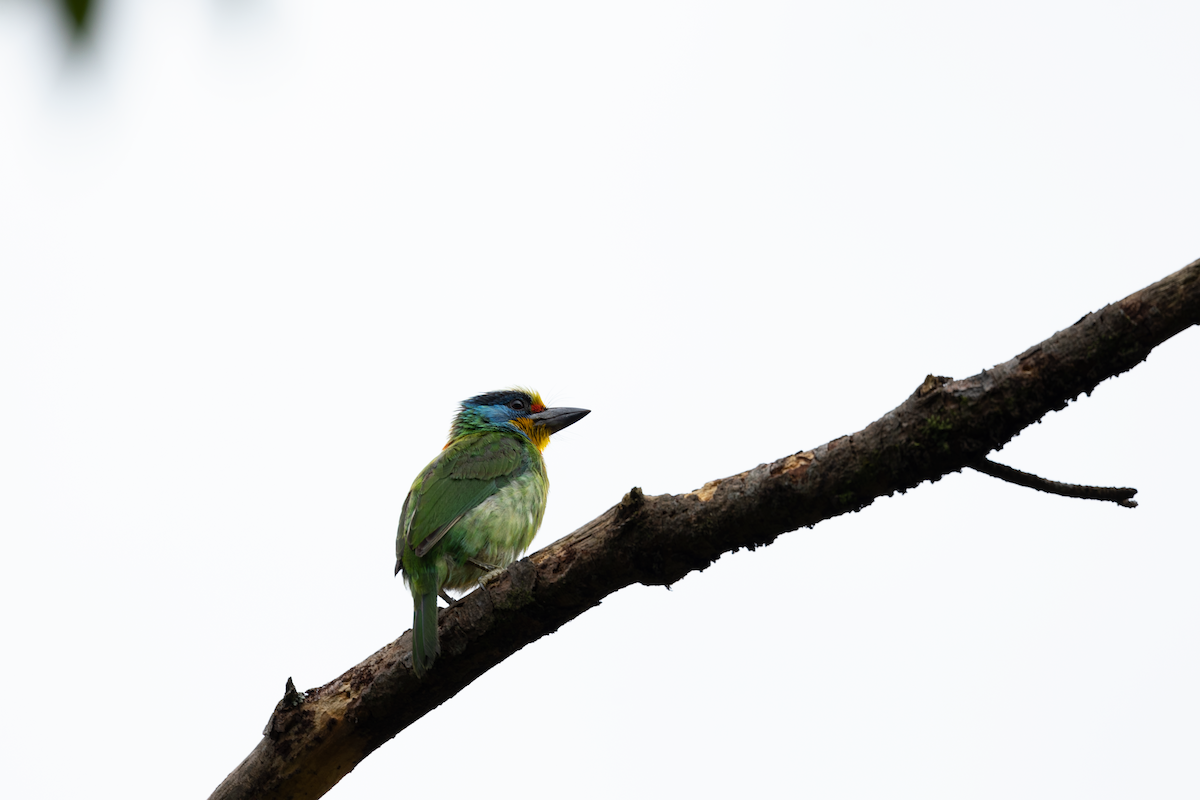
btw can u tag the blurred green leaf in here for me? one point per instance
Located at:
(78, 16)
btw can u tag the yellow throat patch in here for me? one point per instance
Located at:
(536, 433)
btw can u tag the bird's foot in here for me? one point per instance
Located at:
(491, 575)
(481, 565)
(450, 601)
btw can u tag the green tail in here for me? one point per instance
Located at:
(425, 646)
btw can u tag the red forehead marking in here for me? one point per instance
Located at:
(537, 408)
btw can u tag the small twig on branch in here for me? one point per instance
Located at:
(1120, 496)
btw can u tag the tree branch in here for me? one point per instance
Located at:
(1118, 495)
(312, 741)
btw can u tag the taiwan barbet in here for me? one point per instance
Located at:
(478, 505)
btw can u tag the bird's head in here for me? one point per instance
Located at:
(513, 409)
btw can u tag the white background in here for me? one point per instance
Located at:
(254, 253)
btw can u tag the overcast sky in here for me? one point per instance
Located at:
(254, 253)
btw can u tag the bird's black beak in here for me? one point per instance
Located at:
(555, 419)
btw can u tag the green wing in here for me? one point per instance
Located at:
(464, 475)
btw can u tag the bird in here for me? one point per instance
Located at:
(477, 506)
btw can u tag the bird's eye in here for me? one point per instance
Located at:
(517, 405)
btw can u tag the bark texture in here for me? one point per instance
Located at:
(314, 739)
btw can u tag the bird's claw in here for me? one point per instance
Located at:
(491, 575)
(490, 571)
